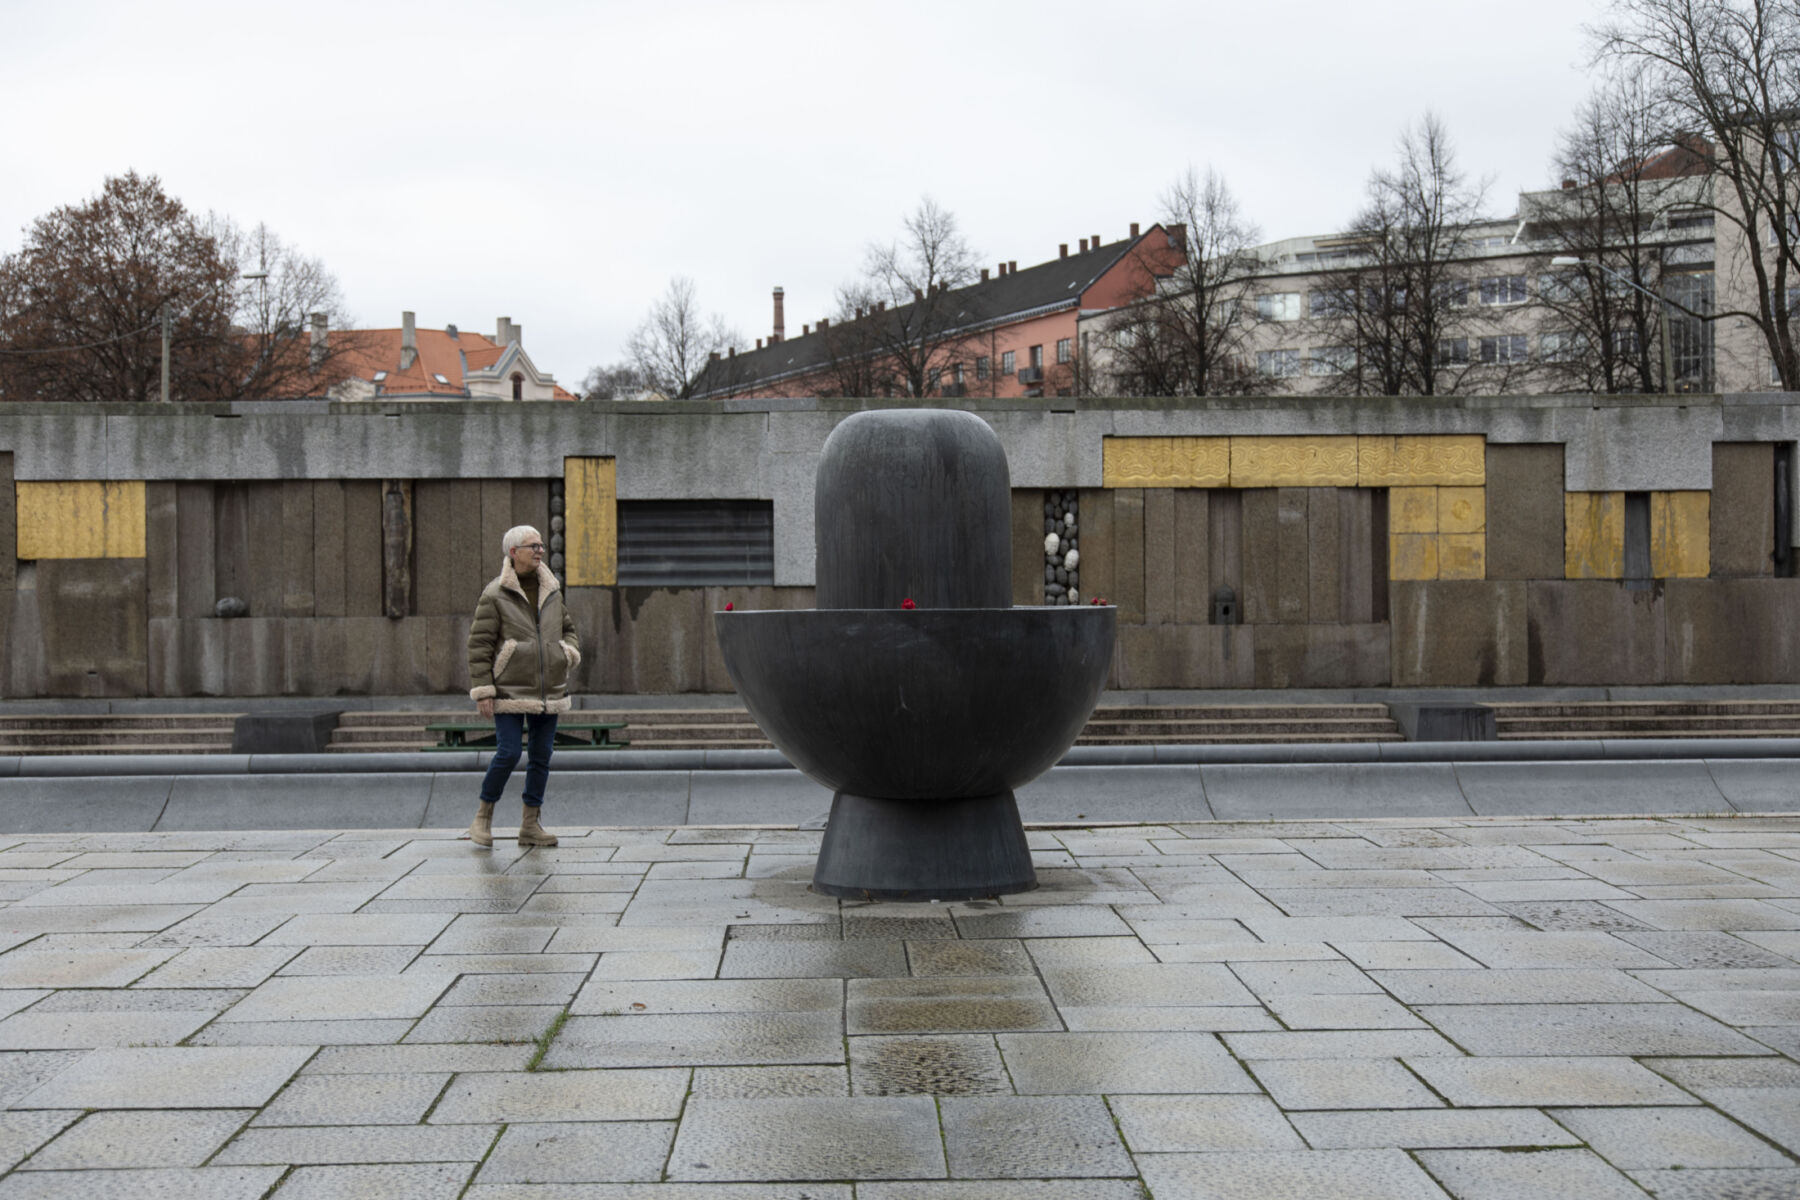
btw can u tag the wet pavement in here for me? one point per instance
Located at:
(1420, 1007)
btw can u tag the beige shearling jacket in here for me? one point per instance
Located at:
(519, 658)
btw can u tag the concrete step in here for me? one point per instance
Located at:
(1238, 727)
(1507, 735)
(1562, 726)
(21, 741)
(103, 721)
(1645, 708)
(116, 748)
(1217, 739)
(1228, 712)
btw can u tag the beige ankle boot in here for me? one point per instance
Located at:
(531, 833)
(481, 829)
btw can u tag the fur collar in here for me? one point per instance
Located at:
(545, 580)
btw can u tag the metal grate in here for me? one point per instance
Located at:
(696, 543)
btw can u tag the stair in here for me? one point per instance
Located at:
(1648, 719)
(113, 733)
(732, 728)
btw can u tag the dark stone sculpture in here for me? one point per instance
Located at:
(921, 720)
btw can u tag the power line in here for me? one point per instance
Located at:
(90, 345)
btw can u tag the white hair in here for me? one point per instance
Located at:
(515, 537)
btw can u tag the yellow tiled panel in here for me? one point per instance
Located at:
(86, 518)
(1462, 556)
(1186, 462)
(591, 524)
(1413, 510)
(1680, 535)
(1422, 460)
(1293, 462)
(1412, 556)
(1594, 535)
(1462, 509)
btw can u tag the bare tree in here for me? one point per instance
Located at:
(1188, 337)
(920, 324)
(617, 381)
(1402, 302)
(1615, 167)
(675, 342)
(1730, 70)
(854, 363)
(278, 290)
(81, 303)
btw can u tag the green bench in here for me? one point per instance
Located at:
(479, 735)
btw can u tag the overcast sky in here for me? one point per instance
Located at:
(558, 162)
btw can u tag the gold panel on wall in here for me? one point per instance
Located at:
(1413, 510)
(591, 522)
(87, 518)
(1293, 462)
(1593, 535)
(1680, 535)
(1412, 556)
(1186, 462)
(1424, 460)
(1462, 509)
(1462, 556)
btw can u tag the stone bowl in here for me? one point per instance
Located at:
(922, 704)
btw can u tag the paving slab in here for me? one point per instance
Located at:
(1535, 1175)
(564, 1153)
(146, 1138)
(360, 1144)
(1126, 1063)
(176, 1183)
(950, 1065)
(550, 1096)
(1164, 1124)
(171, 1077)
(1430, 1128)
(415, 1181)
(1505, 1082)
(1584, 1029)
(1261, 1175)
(868, 1137)
(1031, 1137)
(353, 1099)
(1327, 790)
(699, 1039)
(1140, 793)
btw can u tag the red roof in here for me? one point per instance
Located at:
(366, 352)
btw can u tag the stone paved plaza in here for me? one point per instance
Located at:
(1479, 1008)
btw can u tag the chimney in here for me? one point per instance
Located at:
(824, 324)
(1062, 250)
(451, 330)
(732, 353)
(1093, 241)
(859, 314)
(759, 343)
(917, 295)
(320, 344)
(1568, 185)
(881, 306)
(1134, 230)
(516, 333)
(805, 330)
(1012, 266)
(780, 321)
(1002, 268)
(409, 341)
(984, 274)
(1084, 245)
(713, 357)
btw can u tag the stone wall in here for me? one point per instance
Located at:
(1363, 542)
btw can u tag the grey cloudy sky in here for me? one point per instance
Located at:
(558, 162)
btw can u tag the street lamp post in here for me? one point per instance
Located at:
(1662, 301)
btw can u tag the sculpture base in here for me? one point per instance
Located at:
(923, 849)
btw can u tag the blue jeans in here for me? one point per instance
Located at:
(507, 730)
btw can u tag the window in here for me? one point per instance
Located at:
(1278, 306)
(1328, 302)
(1562, 346)
(1006, 362)
(1506, 348)
(956, 373)
(1330, 360)
(1452, 352)
(1278, 364)
(1625, 342)
(1503, 289)
(1064, 349)
(981, 366)
(1452, 293)
(1563, 285)
(1693, 218)
(518, 382)
(696, 543)
(1487, 243)
(1037, 356)
(932, 378)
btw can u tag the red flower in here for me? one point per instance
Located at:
(729, 606)
(1098, 600)
(908, 604)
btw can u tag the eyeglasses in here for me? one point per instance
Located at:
(534, 547)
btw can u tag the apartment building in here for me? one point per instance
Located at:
(1010, 334)
(409, 363)
(1510, 316)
